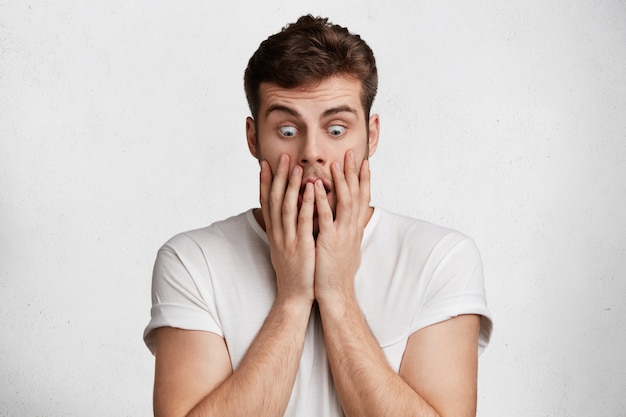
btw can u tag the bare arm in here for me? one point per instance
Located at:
(194, 376)
(193, 372)
(189, 365)
(438, 372)
(441, 364)
(437, 375)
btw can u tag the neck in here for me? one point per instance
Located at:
(258, 216)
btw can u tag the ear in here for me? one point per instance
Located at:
(251, 136)
(374, 126)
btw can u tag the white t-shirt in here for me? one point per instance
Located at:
(413, 274)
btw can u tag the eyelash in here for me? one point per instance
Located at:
(336, 127)
(283, 129)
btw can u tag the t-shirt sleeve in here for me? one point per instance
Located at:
(455, 286)
(181, 291)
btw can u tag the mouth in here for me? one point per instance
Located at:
(302, 188)
(312, 181)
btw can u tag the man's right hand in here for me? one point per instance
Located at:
(289, 230)
(203, 382)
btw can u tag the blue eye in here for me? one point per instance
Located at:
(288, 131)
(336, 130)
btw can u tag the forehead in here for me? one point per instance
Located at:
(316, 98)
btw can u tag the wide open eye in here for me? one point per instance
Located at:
(336, 130)
(288, 131)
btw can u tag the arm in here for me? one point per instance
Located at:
(441, 364)
(193, 371)
(438, 373)
(366, 384)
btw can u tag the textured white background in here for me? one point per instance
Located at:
(122, 123)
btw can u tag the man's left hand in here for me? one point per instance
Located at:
(338, 246)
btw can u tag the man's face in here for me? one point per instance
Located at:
(315, 126)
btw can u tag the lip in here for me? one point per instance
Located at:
(302, 187)
(305, 181)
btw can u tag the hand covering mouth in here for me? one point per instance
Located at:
(313, 180)
(303, 186)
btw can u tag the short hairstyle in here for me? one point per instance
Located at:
(307, 52)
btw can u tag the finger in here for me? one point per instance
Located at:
(344, 197)
(277, 193)
(324, 212)
(305, 217)
(364, 192)
(351, 173)
(290, 202)
(265, 184)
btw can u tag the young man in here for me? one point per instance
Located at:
(316, 304)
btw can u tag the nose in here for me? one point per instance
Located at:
(312, 150)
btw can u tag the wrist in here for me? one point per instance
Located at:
(336, 303)
(294, 305)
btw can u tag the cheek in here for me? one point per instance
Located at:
(268, 151)
(272, 156)
(359, 143)
(271, 152)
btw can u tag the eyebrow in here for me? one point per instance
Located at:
(340, 109)
(294, 113)
(281, 108)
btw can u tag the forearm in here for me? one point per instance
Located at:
(366, 384)
(262, 384)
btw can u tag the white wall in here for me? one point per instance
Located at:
(122, 123)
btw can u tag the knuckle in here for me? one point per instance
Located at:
(287, 210)
(326, 215)
(345, 204)
(274, 199)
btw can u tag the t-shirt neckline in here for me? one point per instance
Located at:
(371, 224)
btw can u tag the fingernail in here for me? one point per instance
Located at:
(283, 158)
(297, 170)
(351, 155)
(366, 163)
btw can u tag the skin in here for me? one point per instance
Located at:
(316, 128)
(313, 145)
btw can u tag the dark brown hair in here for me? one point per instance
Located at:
(309, 51)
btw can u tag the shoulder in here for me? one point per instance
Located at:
(449, 266)
(215, 233)
(418, 233)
